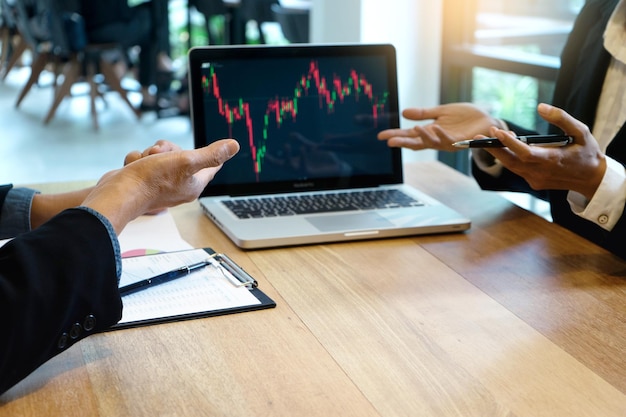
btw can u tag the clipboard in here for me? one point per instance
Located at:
(222, 287)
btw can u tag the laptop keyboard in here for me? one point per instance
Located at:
(319, 203)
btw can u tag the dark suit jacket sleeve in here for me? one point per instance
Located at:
(583, 69)
(58, 284)
(4, 190)
(584, 63)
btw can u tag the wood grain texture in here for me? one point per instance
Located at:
(515, 317)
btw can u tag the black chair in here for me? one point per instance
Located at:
(293, 22)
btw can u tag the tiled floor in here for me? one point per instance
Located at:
(68, 148)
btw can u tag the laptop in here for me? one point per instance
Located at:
(310, 168)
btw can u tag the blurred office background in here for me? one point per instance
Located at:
(500, 54)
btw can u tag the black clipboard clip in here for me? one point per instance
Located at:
(233, 272)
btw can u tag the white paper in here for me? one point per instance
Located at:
(207, 289)
(151, 234)
(148, 234)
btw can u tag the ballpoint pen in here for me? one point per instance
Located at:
(532, 140)
(162, 278)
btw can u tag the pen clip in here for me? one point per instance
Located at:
(234, 273)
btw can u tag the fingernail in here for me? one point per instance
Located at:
(232, 147)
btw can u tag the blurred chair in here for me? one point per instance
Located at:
(293, 22)
(210, 8)
(7, 32)
(68, 52)
(24, 14)
(258, 10)
(13, 44)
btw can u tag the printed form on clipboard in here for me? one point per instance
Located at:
(222, 287)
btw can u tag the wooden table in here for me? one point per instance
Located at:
(516, 317)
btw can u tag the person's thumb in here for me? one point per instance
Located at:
(219, 152)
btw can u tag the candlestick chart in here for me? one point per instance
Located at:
(278, 111)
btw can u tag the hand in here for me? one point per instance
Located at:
(45, 206)
(577, 167)
(451, 123)
(157, 181)
(159, 147)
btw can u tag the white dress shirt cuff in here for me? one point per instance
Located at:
(607, 205)
(487, 163)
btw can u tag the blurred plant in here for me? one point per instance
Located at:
(505, 95)
(511, 96)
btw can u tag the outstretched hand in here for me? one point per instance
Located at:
(160, 146)
(450, 123)
(157, 181)
(577, 167)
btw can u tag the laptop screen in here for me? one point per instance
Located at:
(306, 117)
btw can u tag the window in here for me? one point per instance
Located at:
(503, 56)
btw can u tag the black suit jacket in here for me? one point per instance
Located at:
(584, 63)
(4, 189)
(58, 284)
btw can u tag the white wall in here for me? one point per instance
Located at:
(412, 26)
(335, 21)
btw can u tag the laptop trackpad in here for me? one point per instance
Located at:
(350, 221)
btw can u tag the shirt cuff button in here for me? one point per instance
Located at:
(603, 219)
